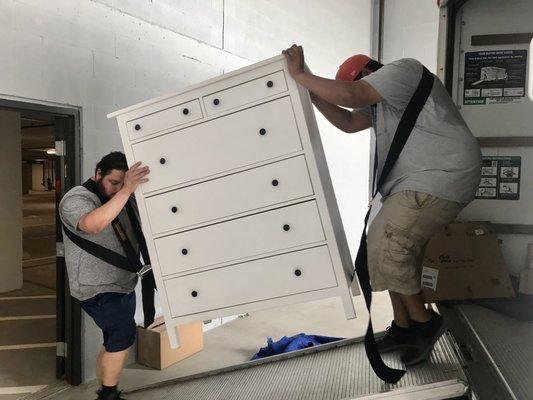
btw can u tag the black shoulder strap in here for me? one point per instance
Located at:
(94, 249)
(405, 126)
(129, 263)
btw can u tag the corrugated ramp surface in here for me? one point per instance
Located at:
(335, 371)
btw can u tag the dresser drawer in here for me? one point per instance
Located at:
(263, 279)
(245, 93)
(166, 119)
(249, 190)
(234, 141)
(250, 236)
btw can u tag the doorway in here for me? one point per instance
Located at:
(40, 325)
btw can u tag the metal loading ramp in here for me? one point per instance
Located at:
(505, 347)
(338, 370)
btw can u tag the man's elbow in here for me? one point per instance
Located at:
(88, 227)
(350, 98)
(360, 94)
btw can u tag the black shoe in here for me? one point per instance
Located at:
(395, 338)
(115, 395)
(426, 335)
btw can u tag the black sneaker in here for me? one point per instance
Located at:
(426, 335)
(395, 338)
(110, 396)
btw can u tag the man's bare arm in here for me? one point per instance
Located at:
(356, 94)
(345, 120)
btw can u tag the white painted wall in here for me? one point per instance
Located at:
(410, 31)
(103, 55)
(11, 201)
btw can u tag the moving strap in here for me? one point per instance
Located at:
(405, 126)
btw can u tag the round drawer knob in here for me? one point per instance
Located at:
(194, 293)
(275, 182)
(162, 161)
(262, 131)
(286, 227)
(216, 102)
(174, 209)
(184, 252)
(137, 127)
(297, 272)
(270, 83)
(185, 111)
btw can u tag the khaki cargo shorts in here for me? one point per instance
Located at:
(398, 236)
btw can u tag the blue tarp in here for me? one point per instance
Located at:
(292, 343)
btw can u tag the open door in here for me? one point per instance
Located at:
(68, 328)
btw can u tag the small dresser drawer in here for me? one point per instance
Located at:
(249, 190)
(166, 119)
(234, 141)
(267, 278)
(245, 93)
(241, 238)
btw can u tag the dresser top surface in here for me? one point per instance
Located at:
(205, 83)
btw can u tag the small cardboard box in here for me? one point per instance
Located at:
(153, 347)
(464, 261)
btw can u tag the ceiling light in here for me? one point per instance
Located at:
(51, 151)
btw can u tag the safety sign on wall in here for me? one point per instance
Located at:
(500, 178)
(495, 77)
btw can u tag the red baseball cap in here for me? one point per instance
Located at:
(352, 67)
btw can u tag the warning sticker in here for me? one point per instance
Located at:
(494, 77)
(430, 277)
(500, 178)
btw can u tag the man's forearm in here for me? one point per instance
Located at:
(98, 219)
(341, 93)
(338, 116)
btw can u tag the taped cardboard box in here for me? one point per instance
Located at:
(153, 347)
(464, 261)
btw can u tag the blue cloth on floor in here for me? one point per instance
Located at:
(292, 343)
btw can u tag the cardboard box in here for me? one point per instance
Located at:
(153, 347)
(464, 261)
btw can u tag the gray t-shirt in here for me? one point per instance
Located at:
(88, 275)
(441, 157)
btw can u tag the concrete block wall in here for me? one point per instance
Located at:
(103, 55)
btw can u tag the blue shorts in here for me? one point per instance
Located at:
(114, 313)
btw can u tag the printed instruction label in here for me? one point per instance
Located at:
(500, 178)
(495, 77)
(430, 277)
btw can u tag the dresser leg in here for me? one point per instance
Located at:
(347, 302)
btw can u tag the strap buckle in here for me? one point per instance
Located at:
(144, 270)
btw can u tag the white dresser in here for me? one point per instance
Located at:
(239, 213)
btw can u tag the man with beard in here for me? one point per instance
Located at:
(106, 293)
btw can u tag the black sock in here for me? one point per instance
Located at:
(400, 327)
(106, 390)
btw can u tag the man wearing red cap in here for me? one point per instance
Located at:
(435, 176)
